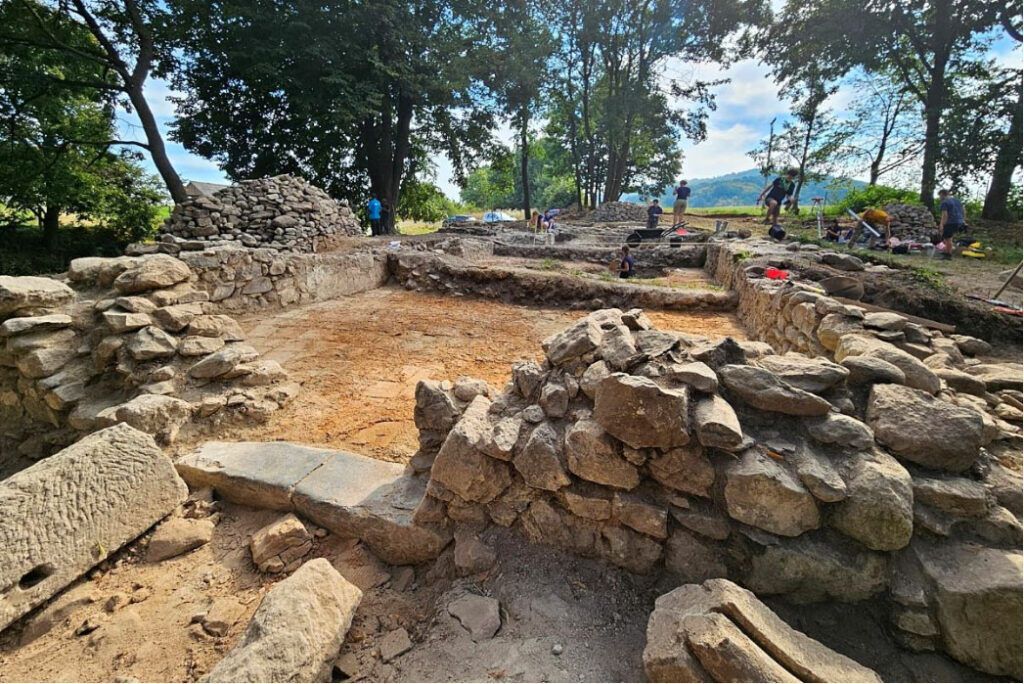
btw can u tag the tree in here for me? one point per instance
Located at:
(56, 138)
(521, 52)
(813, 141)
(883, 133)
(921, 41)
(126, 46)
(610, 101)
(1007, 157)
(346, 93)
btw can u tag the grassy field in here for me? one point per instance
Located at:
(752, 210)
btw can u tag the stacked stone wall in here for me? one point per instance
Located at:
(126, 339)
(866, 477)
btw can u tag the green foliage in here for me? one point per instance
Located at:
(56, 140)
(875, 196)
(498, 183)
(424, 201)
(351, 95)
(25, 251)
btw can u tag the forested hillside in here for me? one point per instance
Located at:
(743, 187)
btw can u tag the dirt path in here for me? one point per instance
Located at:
(359, 359)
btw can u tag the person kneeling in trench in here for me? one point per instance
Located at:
(626, 264)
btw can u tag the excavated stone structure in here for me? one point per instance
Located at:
(126, 339)
(704, 459)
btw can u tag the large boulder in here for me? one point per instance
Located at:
(31, 292)
(761, 492)
(154, 414)
(878, 509)
(65, 514)
(720, 632)
(809, 374)
(540, 461)
(917, 375)
(154, 273)
(808, 570)
(461, 467)
(923, 429)
(841, 430)
(583, 337)
(642, 414)
(977, 594)
(295, 634)
(764, 390)
(593, 455)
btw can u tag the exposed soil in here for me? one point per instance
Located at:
(359, 359)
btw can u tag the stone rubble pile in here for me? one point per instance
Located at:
(910, 220)
(136, 342)
(283, 212)
(611, 212)
(792, 475)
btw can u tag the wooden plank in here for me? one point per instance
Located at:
(926, 322)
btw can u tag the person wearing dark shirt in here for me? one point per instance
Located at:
(626, 263)
(682, 193)
(781, 189)
(654, 213)
(951, 220)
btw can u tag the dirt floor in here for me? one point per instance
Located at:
(359, 359)
(563, 618)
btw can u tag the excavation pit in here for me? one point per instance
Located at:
(359, 359)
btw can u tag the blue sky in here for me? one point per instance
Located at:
(746, 105)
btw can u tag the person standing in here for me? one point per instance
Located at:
(373, 208)
(654, 213)
(781, 189)
(682, 193)
(951, 220)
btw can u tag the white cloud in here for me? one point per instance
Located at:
(724, 151)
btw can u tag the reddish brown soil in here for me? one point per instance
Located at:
(359, 359)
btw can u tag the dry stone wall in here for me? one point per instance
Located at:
(441, 273)
(792, 475)
(283, 212)
(126, 339)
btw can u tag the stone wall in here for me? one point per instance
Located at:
(240, 280)
(794, 476)
(284, 212)
(439, 273)
(126, 339)
(685, 256)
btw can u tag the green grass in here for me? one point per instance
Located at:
(806, 210)
(417, 227)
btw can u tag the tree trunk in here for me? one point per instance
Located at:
(157, 150)
(50, 225)
(1007, 161)
(524, 159)
(932, 120)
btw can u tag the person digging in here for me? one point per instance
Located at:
(877, 219)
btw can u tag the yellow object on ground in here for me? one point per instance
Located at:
(876, 217)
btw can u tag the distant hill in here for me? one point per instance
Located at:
(743, 187)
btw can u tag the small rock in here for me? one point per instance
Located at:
(178, 536)
(394, 644)
(480, 615)
(224, 612)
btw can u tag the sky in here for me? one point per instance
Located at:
(745, 106)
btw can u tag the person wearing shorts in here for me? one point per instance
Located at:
(682, 193)
(780, 190)
(951, 220)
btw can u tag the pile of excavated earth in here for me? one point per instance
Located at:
(632, 502)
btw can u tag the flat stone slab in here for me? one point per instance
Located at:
(348, 494)
(63, 515)
(257, 474)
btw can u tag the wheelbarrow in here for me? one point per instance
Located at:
(676, 235)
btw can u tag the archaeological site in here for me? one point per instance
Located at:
(267, 448)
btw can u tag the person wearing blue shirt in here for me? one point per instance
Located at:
(626, 264)
(781, 190)
(951, 220)
(373, 212)
(682, 193)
